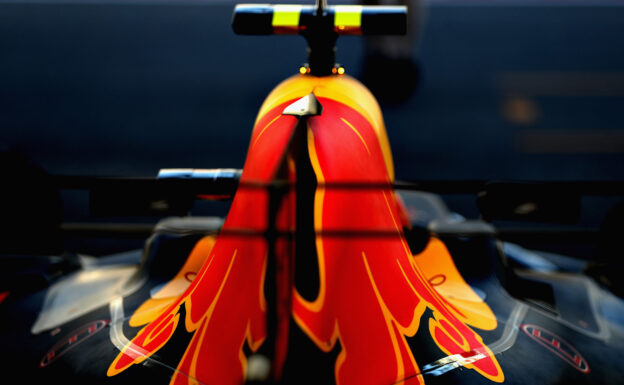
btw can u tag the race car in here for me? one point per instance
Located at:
(325, 269)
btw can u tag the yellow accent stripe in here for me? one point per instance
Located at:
(344, 89)
(190, 325)
(265, 127)
(286, 15)
(408, 253)
(319, 302)
(348, 16)
(388, 318)
(319, 198)
(345, 121)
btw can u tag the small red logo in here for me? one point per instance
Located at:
(557, 345)
(190, 276)
(437, 279)
(72, 340)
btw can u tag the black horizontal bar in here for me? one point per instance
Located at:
(106, 230)
(228, 186)
(476, 186)
(143, 230)
(220, 186)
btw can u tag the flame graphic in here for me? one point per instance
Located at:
(372, 294)
(374, 287)
(225, 304)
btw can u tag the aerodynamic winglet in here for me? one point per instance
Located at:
(306, 106)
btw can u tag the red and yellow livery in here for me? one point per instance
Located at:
(370, 287)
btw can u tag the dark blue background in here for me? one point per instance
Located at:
(125, 88)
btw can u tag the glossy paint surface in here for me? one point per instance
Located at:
(372, 291)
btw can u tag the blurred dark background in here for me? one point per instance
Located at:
(513, 90)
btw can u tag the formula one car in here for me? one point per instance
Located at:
(325, 268)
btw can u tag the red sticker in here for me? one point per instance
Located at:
(72, 340)
(557, 345)
(3, 295)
